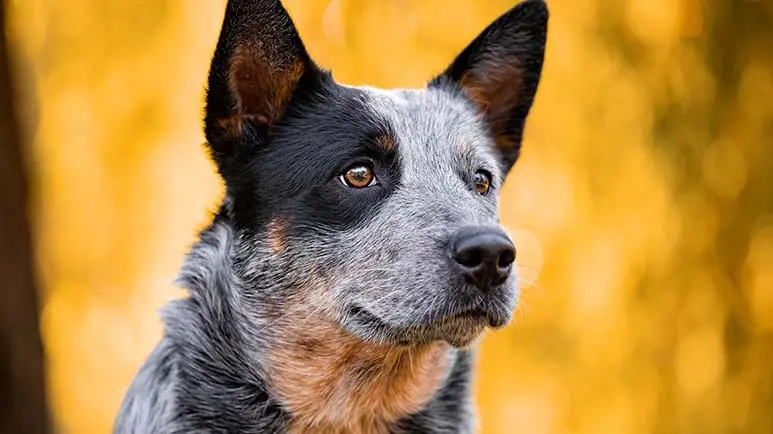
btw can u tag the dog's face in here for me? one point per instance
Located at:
(376, 210)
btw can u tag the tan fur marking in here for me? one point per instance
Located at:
(386, 142)
(333, 382)
(275, 235)
(262, 82)
(232, 126)
(495, 96)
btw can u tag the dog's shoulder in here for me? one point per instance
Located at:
(149, 402)
(191, 384)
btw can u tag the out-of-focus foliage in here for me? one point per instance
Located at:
(643, 200)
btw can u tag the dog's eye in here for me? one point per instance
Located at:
(358, 176)
(482, 182)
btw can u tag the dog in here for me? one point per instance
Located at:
(357, 255)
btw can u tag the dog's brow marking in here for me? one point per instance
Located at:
(275, 235)
(333, 382)
(386, 142)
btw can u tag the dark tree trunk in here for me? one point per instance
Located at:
(22, 388)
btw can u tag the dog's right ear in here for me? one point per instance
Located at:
(258, 65)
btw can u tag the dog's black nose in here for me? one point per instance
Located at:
(485, 256)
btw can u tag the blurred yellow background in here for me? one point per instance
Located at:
(643, 202)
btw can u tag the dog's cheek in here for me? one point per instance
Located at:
(276, 235)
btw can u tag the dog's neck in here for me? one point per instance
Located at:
(310, 374)
(333, 382)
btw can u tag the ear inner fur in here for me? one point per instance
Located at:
(262, 86)
(495, 95)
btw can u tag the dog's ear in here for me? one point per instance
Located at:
(258, 65)
(500, 71)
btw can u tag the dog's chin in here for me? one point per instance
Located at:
(461, 330)
(462, 336)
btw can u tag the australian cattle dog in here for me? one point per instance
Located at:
(357, 255)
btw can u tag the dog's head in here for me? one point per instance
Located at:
(374, 209)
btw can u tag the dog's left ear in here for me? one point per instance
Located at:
(500, 71)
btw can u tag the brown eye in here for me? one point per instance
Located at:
(482, 182)
(359, 176)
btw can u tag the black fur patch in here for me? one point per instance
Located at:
(293, 174)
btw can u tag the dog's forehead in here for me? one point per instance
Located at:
(434, 127)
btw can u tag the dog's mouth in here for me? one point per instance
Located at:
(474, 314)
(375, 328)
(459, 329)
(362, 316)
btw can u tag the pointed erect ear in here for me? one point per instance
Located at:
(500, 71)
(259, 64)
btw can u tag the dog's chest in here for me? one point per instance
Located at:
(341, 386)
